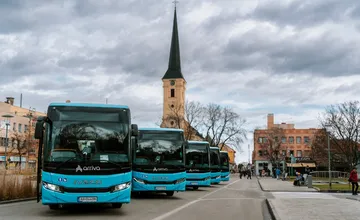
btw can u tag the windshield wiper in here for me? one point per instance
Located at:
(110, 162)
(62, 163)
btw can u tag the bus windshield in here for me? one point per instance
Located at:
(197, 156)
(156, 148)
(214, 158)
(224, 160)
(86, 136)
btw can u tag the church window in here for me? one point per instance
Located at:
(172, 106)
(172, 92)
(172, 123)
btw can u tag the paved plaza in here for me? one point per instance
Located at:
(237, 199)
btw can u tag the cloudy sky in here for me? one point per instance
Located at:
(290, 58)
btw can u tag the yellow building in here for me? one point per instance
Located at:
(17, 123)
(231, 152)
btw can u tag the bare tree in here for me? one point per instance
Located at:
(193, 118)
(222, 125)
(19, 145)
(176, 116)
(343, 124)
(318, 144)
(272, 144)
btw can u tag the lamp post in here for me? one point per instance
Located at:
(327, 127)
(6, 136)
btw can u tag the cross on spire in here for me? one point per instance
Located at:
(175, 2)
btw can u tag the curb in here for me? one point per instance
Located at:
(273, 214)
(17, 200)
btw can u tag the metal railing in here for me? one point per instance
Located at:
(334, 174)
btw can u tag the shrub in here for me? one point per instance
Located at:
(16, 187)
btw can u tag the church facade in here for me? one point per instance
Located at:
(174, 90)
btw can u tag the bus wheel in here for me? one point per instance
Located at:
(171, 193)
(195, 187)
(54, 207)
(116, 205)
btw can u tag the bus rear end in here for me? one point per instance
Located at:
(225, 168)
(198, 164)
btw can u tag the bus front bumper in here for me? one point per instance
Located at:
(225, 176)
(142, 182)
(215, 177)
(51, 197)
(198, 179)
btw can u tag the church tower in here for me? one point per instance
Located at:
(174, 85)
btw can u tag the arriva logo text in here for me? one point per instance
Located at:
(86, 168)
(159, 169)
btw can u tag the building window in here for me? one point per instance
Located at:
(292, 152)
(306, 140)
(25, 128)
(260, 153)
(14, 126)
(19, 127)
(298, 140)
(265, 152)
(307, 153)
(283, 140)
(260, 140)
(299, 153)
(283, 152)
(291, 140)
(172, 92)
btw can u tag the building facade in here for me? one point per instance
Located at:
(17, 144)
(293, 142)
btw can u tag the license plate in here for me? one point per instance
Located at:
(87, 199)
(195, 183)
(160, 188)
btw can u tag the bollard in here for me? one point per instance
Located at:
(309, 180)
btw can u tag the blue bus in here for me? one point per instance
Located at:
(198, 164)
(225, 167)
(159, 161)
(215, 165)
(84, 154)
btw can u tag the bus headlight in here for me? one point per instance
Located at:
(53, 187)
(207, 178)
(218, 177)
(139, 180)
(120, 187)
(180, 180)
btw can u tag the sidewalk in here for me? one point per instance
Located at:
(274, 185)
(320, 206)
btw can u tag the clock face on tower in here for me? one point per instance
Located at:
(172, 82)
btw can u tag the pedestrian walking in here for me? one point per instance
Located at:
(354, 181)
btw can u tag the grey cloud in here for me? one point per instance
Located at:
(304, 13)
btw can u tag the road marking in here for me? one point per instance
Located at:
(165, 215)
(259, 198)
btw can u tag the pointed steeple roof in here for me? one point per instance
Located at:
(174, 68)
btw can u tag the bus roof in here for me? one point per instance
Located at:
(198, 142)
(215, 148)
(224, 152)
(161, 129)
(95, 105)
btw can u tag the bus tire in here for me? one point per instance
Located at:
(54, 207)
(195, 187)
(170, 193)
(116, 205)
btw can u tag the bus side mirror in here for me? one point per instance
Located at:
(39, 128)
(134, 130)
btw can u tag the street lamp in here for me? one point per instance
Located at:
(6, 135)
(327, 128)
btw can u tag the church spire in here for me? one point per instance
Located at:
(174, 68)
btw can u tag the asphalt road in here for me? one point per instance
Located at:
(237, 199)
